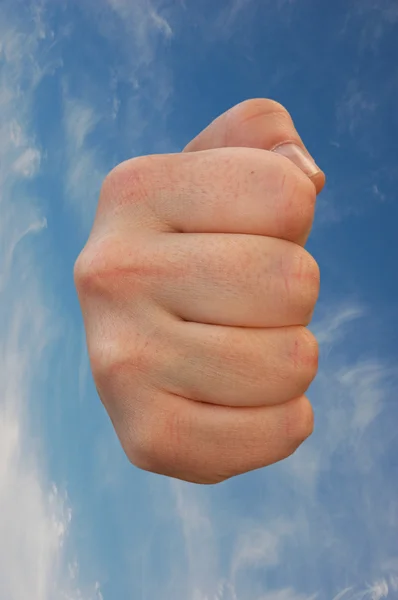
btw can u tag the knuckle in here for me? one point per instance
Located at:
(80, 271)
(126, 181)
(140, 444)
(156, 444)
(305, 355)
(139, 424)
(174, 430)
(135, 182)
(306, 274)
(114, 359)
(274, 107)
(257, 106)
(134, 188)
(299, 423)
(297, 202)
(215, 477)
(106, 359)
(97, 262)
(109, 264)
(313, 277)
(305, 420)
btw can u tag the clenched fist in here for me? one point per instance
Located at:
(196, 292)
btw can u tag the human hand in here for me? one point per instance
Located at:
(196, 292)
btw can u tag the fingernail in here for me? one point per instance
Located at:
(299, 157)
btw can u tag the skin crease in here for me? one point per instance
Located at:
(196, 291)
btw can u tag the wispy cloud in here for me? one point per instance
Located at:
(200, 542)
(287, 594)
(329, 329)
(139, 29)
(297, 518)
(367, 384)
(375, 17)
(35, 515)
(144, 18)
(375, 591)
(136, 31)
(27, 162)
(356, 388)
(321, 509)
(355, 108)
(84, 171)
(260, 547)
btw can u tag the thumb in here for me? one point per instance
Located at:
(259, 123)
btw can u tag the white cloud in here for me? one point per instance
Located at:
(199, 539)
(360, 385)
(353, 393)
(84, 172)
(375, 591)
(33, 519)
(161, 23)
(355, 108)
(257, 545)
(143, 17)
(366, 385)
(27, 163)
(141, 27)
(260, 547)
(329, 329)
(287, 594)
(35, 516)
(330, 210)
(12, 236)
(354, 390)
(343, 593)
(378, 193)
(374, 18)
(80, 120)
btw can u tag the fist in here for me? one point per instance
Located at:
(196, 291)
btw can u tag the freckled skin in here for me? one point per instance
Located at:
(196, 291)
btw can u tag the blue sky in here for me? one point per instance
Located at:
(86, 84)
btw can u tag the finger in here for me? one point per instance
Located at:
(259, 123)
(220, 279)
(232, 190)
(204, 443)
(237, 366)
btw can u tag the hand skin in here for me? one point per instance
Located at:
(196, 291)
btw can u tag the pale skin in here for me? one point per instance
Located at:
(196, 293)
